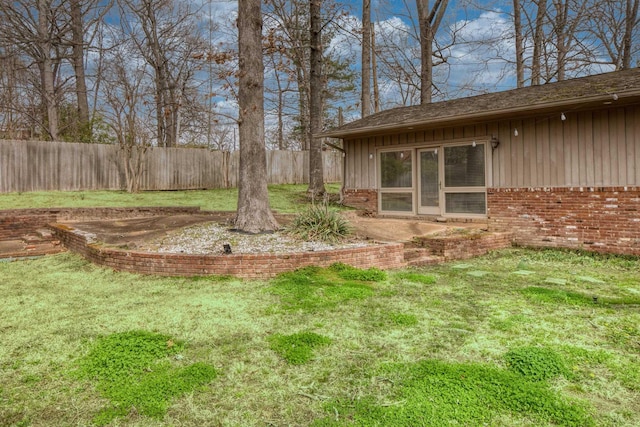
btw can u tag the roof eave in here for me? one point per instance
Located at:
(515, 112)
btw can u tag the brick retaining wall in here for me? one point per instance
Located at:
(600, 219)
(15, 223)
(252, 266)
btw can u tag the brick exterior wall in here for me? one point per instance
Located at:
(15, 223)
(252, 266)
(600, 219)
(361, 199)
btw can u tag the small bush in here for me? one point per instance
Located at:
(319, 223)
(535, 363)
(297, 349)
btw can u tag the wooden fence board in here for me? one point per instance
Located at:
(59, 166)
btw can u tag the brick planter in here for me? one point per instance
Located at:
(252, 266)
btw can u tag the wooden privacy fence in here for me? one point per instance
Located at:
(41, 166)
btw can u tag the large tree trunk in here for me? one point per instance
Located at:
(316, 173)
(365, 99)
(254, 214)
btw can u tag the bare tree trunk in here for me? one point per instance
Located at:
(316, 172)
(46, 70)
(280, 131)
(517, 27)
(303, 101)
(365, 98)
(429, 21)
(374, 71)
(77, 59)
(538, 40)
(254, 214)
(562, 12)
(631, 20)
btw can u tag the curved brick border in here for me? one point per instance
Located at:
(251, 266)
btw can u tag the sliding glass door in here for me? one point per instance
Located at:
(429, 184)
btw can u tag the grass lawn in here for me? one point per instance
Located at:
(284, 198)
(514, 338)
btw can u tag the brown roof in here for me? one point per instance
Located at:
(618, 87)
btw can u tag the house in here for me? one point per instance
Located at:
(557, 164)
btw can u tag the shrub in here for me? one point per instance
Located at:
(319, 223)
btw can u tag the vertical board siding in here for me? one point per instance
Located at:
(634, 138)
(59, 166)
(594, 148)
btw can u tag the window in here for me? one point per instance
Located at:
(464, 166)
(395, 169)
(396, 181)
(464, 179)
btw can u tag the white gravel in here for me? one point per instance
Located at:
(209, 238)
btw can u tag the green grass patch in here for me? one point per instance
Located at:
(314, 288)
(397, 319)
(285, 198)
(410, 276)
(437, 393)
(297, 349)
(536, 363)
(348, 272)
(133, 370)
(559, 296)
(556, 296)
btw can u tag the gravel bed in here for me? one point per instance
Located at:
(209, 238)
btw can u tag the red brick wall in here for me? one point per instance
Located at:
(241, 265)
(361, 199)
(601, 219)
